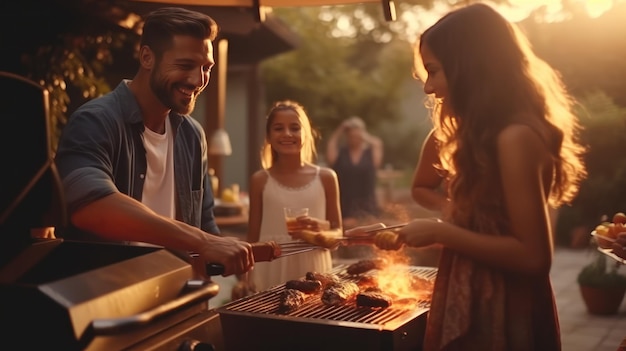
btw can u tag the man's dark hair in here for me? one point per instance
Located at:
(162, 25)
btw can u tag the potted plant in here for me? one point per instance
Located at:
(602, 286)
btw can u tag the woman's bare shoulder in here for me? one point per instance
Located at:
(521, 141)
(519, 134)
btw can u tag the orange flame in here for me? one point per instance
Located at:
(396, 279)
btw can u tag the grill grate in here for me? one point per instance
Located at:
(266, 303)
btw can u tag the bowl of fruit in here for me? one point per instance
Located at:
(606, 232)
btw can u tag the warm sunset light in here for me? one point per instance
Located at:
(519, 9)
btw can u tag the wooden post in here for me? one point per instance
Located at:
(389, 9)
(216, 104)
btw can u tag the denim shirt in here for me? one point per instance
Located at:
(101, 152)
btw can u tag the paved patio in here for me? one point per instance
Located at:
(581, 331)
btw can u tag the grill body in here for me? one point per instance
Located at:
(315, 326)
(94, 296)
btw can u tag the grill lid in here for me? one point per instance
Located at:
(31, 191)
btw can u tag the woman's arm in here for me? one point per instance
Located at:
(331, 191)
(332, 147)
(426, 184)
(377, 149)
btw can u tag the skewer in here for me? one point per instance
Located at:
(391, 227)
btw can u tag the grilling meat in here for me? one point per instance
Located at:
(290, 300)
(373, 298)
(363, 266)
(339, 293)
(325, 278)
(304, 285)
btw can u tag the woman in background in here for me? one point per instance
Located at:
(508, 144)
(356, 164)
(289, 178)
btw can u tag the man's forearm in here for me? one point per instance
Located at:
(118, 217)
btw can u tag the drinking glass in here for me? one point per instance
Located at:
(291, 217)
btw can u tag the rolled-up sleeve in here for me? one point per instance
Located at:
(85, 156)
(86, 185)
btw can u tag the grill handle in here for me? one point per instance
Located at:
(214, 269)
(114, 326)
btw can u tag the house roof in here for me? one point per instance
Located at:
(251, 3)
(250, 40)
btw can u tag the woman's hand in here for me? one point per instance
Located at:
(418, 233)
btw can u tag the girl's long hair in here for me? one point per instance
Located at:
(308, 152)
(495, 80)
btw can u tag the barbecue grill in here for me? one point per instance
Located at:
(77, 295)
(315, 326)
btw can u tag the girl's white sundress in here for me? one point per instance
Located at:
(275, 198)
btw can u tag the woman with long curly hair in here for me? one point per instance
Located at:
(508, 144)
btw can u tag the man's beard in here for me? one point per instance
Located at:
(165, 93)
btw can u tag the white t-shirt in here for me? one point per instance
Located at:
(158, 188)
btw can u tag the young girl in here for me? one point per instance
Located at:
(508, 143)
(290, 179)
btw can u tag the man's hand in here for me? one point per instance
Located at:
(235, 255)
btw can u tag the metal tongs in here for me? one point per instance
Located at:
(367, 238)
(270, 250)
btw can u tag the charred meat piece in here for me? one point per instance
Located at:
(325, 278)
(373, 298)
(304, 285)
(339, 293)
(363, 266)
(290, 300)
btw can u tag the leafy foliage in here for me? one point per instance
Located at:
(336, 76)
(587, 51)
(604, 191)
(597, 274)
(77, 66)
(66, 48)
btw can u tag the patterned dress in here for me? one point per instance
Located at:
(275, 198)
(478, 307)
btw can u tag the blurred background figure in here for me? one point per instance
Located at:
(289, 178)
(356, 160)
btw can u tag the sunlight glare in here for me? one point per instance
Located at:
(520, 9)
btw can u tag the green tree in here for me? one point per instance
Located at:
(604, 190)
(351, 61)
(589, 52)
(64, 45)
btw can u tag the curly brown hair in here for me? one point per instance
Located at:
(495, 80)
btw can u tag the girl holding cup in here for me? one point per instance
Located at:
(290, 180)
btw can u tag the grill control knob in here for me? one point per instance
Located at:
(195, 345)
